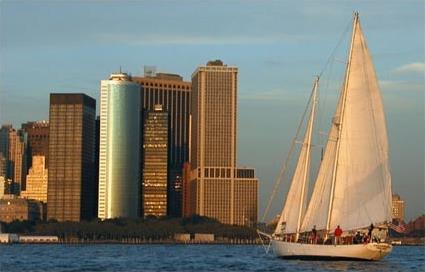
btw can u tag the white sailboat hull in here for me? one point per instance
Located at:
(370, 252)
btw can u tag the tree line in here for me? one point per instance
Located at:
(136, 230)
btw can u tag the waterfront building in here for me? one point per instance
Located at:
(245, 197)
(398, 207)
(38, 139)
(170, 91)
(155, 162)
(119, 148)
(13, 208)
(216, 187)
(36, 183)
(18, 159)
(71, 184)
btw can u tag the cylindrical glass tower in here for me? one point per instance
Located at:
(119, 150)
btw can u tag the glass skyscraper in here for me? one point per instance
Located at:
(170, 91)
(155, 162)
(119, 148)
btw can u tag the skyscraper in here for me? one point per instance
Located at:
(170, 91)
(217, 186)
(119, 148)
(38, 139)
(36, 185)
(4, 150)
(71, 184)
(18, 144)
(155, 162)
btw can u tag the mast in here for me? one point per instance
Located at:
(307, 160)
(340, 124)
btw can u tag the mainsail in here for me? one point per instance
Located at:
(296, 200)
(353, 187)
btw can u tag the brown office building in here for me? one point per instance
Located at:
(170, 91)
(71, 185)
(155, 162)
(38, 139)
(218, 188)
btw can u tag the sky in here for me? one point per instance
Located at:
(278, 46)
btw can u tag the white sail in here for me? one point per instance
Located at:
(296, 199)
(363, 183)
(317, 210)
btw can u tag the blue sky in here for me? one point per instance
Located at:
(69, 46)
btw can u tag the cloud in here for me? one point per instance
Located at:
(394, 85)
(193, 39)
(414, 67)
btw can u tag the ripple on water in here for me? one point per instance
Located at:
(67, 258)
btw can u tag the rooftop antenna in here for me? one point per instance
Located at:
(120, 70)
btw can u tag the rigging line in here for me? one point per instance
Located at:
(284, 166)
(347, 28)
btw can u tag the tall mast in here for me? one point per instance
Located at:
(307, 160)
(340, 124)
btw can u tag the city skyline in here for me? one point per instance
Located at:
(276, 66)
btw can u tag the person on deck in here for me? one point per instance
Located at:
(338, 233)
(358, 239)
(314, 235)
(369, 233)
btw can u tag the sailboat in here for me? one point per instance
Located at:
(352, 189)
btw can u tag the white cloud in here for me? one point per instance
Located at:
(414, 67)
(393, 85)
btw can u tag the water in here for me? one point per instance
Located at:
(184, 258)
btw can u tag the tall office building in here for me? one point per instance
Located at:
(96, 162)
(218, 189)
(71, 184)
(119, 148)
(398, 207)
(155, 162)
(36, 185)
(170, 91)
(38, 139)
(18, 143)
(4, 150)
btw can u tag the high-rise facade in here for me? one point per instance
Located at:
(71, 184)
(4, 150)
(38, 139)
(170, 91)
(36, 185)
(398, 207)
(119, 148)
(216, 188)
(155, 162)
(18, 143)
